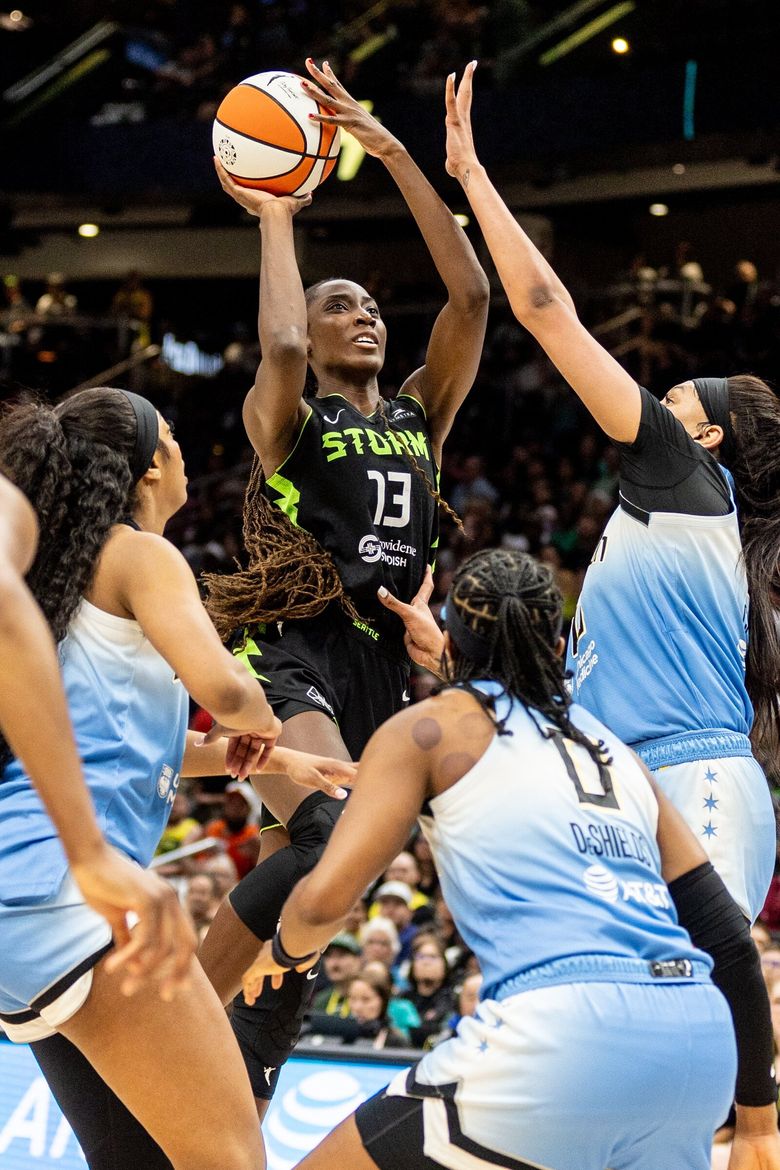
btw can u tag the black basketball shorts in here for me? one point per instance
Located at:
(328, 664)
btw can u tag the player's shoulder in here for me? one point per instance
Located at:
(441, 719)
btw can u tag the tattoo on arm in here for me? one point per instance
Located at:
(466, 177)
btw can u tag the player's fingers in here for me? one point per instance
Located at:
(449, 94)
(277, 981)
(252, 986)
(177, 976)
(423, 594)
(320, 95)
(390, 601)
(213, 734)
(466, 90)
(317, 779)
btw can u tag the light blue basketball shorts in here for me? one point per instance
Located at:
(727, 804)
(580, 1076)
(47, 955)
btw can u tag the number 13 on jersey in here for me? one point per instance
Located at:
(393, 497)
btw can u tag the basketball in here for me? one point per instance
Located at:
(264, 138)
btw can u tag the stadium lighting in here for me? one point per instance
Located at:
(658, 209)
(587, 31)
(620, 45)
(88, 230)
(462, 219)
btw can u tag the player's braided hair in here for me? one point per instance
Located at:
(289, 575)
(511, 601)
(755, 412)
(72, 462)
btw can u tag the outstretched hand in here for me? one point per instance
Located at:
(461, 152)
(161, 946)
(255, 201)
(423, 639)
(263, 966)
(346, 112)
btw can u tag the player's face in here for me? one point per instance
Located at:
(172, 468)
(346, 331)
(685, 405)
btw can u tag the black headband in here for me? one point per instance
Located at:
(147, 434)
(714, 397)
(471, 644)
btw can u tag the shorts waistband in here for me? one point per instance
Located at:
(716, 743)
(602, 969)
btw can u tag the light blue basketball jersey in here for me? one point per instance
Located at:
(130, 718)
(552, 873)
(657, 647)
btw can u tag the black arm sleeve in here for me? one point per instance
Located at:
(664, 470)
(716, 925)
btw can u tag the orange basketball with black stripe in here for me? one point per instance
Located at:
(264, 137)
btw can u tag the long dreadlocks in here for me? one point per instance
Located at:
(289, 575)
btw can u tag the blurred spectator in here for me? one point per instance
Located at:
(56, 301)
(394, 900)
(429, 987)
(770, 966)
(429, 879)
(379, 940)
(341, 961)
(182, 828)
(222, 866)
(238, 825)
(761, 936)
(404, 869)
(134, 303)
(202, 901)
(369, 999)
(16, 308)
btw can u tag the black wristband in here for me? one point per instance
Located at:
(282, 959)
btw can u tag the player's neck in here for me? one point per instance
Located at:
(363, 395)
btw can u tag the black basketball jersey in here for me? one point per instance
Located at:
(350, 483)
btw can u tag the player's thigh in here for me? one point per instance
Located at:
(176, 1066)
(341, 1148)
(308, 731)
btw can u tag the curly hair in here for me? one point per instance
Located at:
(72, 461)
(755, 412)
(511, 601)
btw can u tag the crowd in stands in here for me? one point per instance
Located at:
(524, 467)
(398, 974)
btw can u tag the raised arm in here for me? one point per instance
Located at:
(455, 345)
(537, 297)
(273, 409)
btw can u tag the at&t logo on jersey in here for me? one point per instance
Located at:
(392, 552)
(600, 882)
